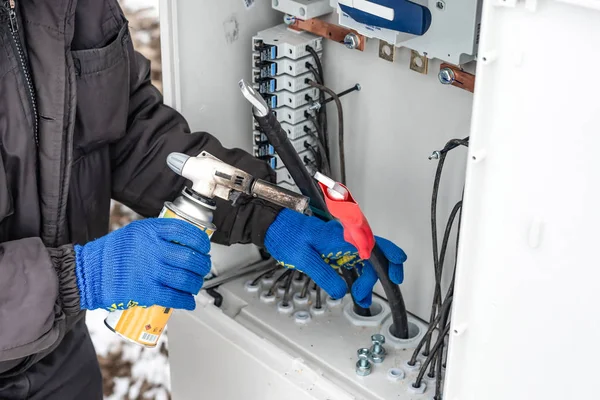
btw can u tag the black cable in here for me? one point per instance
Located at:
(304, 291)
(434, 351)
(314, 72)
(323, 110)
(318, 299)
(340, 127)
(432, 326)
(271, 291)
(264, 274)
(315, 153)
(437, 297)
(350, 276)
(287, 293)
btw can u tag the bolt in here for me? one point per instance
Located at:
(435, 155)
(289, 19)
(351, 41)
(377, 350)
(446, 76)
(363, 365)
(315, 106)
(441, 5)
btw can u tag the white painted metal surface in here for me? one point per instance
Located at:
(251, 350)
(526, 294)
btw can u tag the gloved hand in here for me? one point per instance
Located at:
(159, 261)
(318, 248)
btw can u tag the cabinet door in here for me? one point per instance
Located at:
(527, 284)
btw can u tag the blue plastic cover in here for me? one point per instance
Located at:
(408, 17)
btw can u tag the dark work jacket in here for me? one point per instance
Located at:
(101, 131)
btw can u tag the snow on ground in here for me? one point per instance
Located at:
(130, 372)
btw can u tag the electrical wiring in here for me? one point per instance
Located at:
(430, 357)
(281, 277)
(318, 298)
(264, 275)
(287, 292)
(340, 127)
(304, 291)
(323, 110)
(438, 269)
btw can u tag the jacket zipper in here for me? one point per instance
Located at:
(24, 67)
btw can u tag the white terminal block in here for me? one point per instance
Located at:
(293, 83)
(294, 67)
(298, 99)
(289, 43)
(291, 115)
(298, 130)
(303, 9)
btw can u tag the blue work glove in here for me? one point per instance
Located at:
(318, 248)
(158, 261)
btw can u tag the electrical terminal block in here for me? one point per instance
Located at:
(268, 69)
(283, 82)
(303, 9)
(292, 100)
(282, 42)
(298, 130)
(291, 115)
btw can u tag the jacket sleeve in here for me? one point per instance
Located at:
(38, 295)
(142, 180)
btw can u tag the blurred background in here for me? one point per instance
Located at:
(130, 371)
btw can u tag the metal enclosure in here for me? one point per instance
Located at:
(526, 276)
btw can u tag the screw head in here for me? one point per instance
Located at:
(446, 76)
(440, 5)
(378, 339)
(351, 41)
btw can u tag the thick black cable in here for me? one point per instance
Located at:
(340, 111)
(350, 276)
(271, 291)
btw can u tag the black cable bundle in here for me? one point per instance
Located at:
(440, 307)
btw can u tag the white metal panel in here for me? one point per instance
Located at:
(525, 304)
(391, 127)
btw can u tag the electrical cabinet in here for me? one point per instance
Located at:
(526, 274)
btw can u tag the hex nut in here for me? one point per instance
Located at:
(363, 369)
(395, 374)
(378, 357)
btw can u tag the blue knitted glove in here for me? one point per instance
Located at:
(158, 261)
(318, 249)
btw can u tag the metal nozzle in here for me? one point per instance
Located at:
(261, 108)
(176, 161)
(280, 196)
